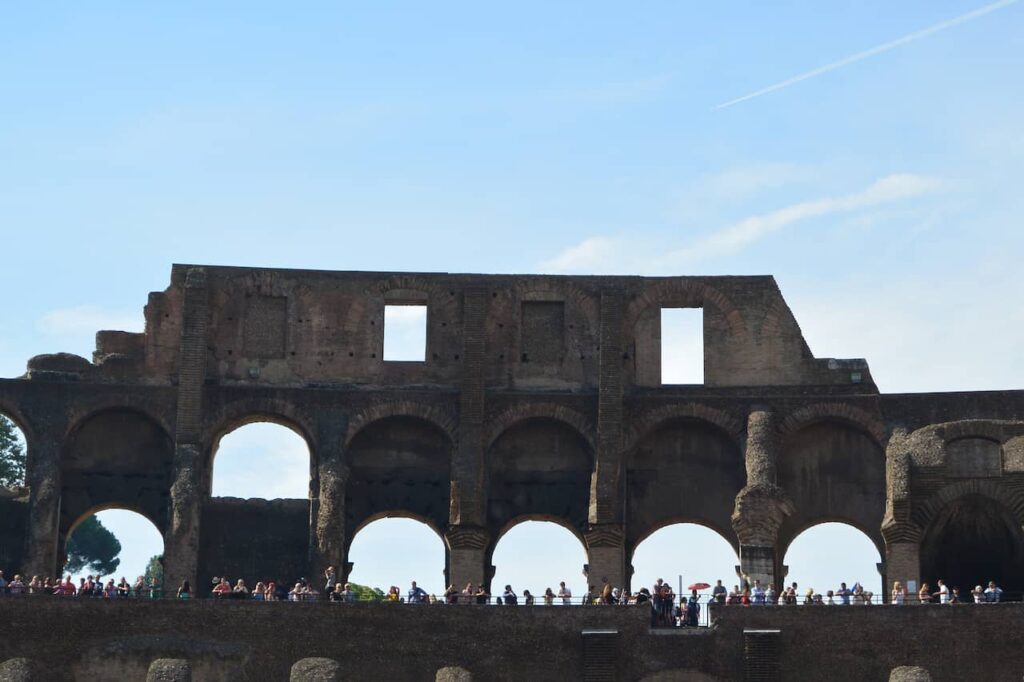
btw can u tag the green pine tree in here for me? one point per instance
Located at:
(92, 548)
(12, 454)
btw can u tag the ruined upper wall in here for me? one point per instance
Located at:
(301, 327)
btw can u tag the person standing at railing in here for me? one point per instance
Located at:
(565, 594)
(549, 597)
(993, 594)
(451, 595)
(844, 594)
(481, 595)
(757, 594)
(899, 593)
(924, 595)
(943, 593)
(510, 597)
(719, 592)
(416, 595)
(16, 586)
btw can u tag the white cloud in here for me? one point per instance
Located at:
(591, 255)
(88, 319)
(618, 254)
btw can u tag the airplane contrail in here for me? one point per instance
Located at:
(878, 49)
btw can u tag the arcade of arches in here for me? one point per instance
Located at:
(537, 400)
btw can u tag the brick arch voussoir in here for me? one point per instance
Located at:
(925, 514)
(11, 410)
(855, 416)
(987, 429)
(686, 293)
(652, 420)
(502, 422)
(102, 405)
(438, 417)
(237, 414)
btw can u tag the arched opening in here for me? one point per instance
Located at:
(262, 459)
(535, 555)
(115, 543)
(683, 554)
(13, 511)
(973, 540)
(684, 469)
(13, 453)
(539, 467)
(395, 551)
(398, 466)
(830, 553)
(118, 458)
(832, 470)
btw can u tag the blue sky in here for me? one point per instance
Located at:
(569, 137)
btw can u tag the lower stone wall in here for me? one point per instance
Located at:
(85, 639)
(253, 539)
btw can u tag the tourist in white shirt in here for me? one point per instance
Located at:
(943, 593)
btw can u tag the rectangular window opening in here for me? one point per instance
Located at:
(682, 346)
(405, 333)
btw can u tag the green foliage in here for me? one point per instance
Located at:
(365, 593)
(12, 454)
(155, 571)
(93, 548)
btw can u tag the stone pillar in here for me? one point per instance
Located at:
(762, 506)
(468, 496)
(467, 556)
(181, 541)
(327, 508)
(606, 555)
(605, 486)
(42, 555)
(169, 670)
(902, 536)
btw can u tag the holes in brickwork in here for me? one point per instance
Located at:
(262, 460)
(405, 333)
(682, 346)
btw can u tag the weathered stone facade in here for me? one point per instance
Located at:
(539, 398)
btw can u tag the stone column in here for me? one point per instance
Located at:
(42, 555)
(468, 492)
(761, 506)
(181, 541)
(606, 555)
(605, 486)
(467, 556)
(327, 509)
(902, 536)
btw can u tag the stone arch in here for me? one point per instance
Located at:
(972, 534)
(105, 404)
(542, 466)
(550, 554)
(924, 513)
(546, 518)
(117, 457)
(833, 469)
(872, 534)
(235, 415)
(682, 468)
(840, 412)
(399, 514)
(727, 534)
(512, 416)
(399, 464)
(685, 293)
(436, 416)
(11, 410)
(653, 419)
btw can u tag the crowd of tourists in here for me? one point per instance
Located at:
(666, 608)
(90, 586)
